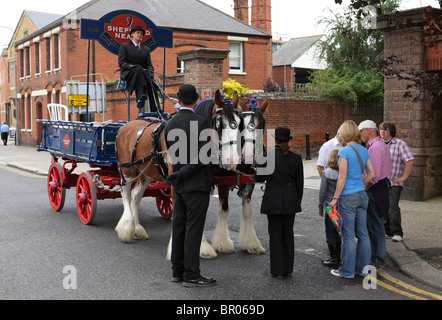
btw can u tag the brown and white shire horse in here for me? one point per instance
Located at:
(142, 158)
(252, 145)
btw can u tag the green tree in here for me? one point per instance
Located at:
(353, 53)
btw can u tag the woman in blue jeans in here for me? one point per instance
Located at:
(352, 201)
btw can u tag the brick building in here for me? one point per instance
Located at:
(55, 53)
(418, 123)
(29, 22)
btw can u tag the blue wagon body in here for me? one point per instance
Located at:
(79, 141)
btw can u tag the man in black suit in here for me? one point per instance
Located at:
(281, 201)
(192, 184)
(137, 70)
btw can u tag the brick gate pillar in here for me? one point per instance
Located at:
(418, 123)
(204, 69)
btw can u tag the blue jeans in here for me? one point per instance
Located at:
(353, 210)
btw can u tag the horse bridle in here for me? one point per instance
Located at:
(218, 123)
(251, 126)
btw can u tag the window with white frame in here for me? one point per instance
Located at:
(48, 54)
(236, 55)
(180, 66)
(37, 58)
(57, 51)
(27, 60)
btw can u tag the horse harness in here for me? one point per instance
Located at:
(155, 154)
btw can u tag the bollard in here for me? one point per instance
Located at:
(307, 146)
(327, 136)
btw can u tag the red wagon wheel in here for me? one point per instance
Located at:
(164, 204)
(86, 198)
(56, 191)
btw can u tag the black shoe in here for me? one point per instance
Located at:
(335, 257)
(332, 262)
(200, 282)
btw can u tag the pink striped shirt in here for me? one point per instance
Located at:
(380, 158)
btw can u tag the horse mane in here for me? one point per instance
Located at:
(260, 119)
(228, 111)
(205, 108)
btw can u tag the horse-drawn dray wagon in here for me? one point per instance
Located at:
(71, 143)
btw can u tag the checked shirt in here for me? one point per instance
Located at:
(400, 154)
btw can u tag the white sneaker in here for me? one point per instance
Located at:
(335, 273)
(396, 238)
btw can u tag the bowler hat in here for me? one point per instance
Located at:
(282, 134)
(137, 28)
(187, 94)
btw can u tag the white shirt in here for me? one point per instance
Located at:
(138, 45)
(326, 149)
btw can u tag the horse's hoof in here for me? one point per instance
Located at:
(125, 238)
(208, 256)
(256, 250)
(125, 233)
(140, 233)
(225, 250)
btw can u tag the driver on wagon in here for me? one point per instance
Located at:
(137, 70)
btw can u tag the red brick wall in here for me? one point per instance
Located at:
(307, 117)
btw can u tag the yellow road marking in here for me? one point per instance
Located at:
(391, 288)
(407, 286)
(22, 172)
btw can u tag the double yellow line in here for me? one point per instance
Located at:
(21, 172)
(406, 286)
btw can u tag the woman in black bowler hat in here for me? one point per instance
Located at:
(136, 68)
(281, 201)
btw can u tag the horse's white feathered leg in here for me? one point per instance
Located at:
(137, 195)
(206, 250)
(221, 241)
(247, 236)
(126, 226)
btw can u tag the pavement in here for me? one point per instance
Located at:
(421, 221)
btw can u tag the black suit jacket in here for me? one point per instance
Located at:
(285, 186)
(129, 58)
(193, 175)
